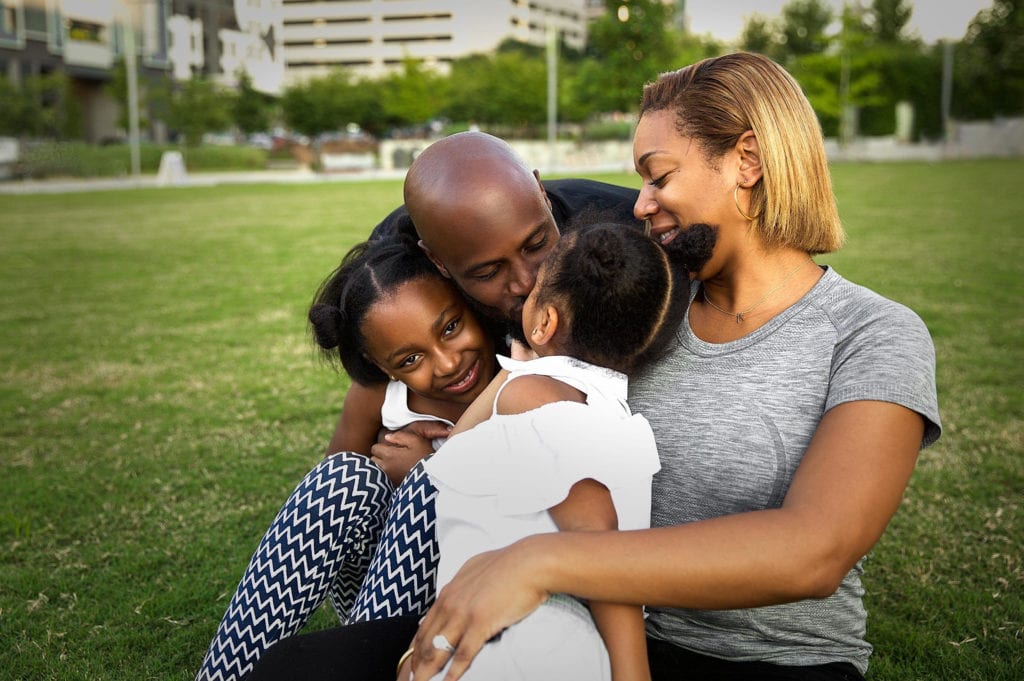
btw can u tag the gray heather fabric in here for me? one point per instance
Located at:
(732, 422)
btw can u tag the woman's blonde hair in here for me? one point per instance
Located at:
(716, 100)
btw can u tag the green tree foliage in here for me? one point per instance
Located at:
(889, 20)
(414, 95)
(626, 49)
(331, 102)
(41, 106)
(198, 106)
(803, 26)
(251, 110)
(509, 87)
(761, 34)
(990, 64)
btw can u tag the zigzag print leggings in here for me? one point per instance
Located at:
(336, 537)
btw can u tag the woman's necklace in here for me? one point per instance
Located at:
(741, 314)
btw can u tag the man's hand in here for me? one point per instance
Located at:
(396, 452)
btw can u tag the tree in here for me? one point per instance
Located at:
(990, 63)
(41, 106)
(626, 49)
(507, 88)
(250, 109)
(762, 35)
(803, 27)
(414, 95)
(890, 19)
(198, 106)
(331, 102)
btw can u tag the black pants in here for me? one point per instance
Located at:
(369, 651)
(672, 663)
(364, 651)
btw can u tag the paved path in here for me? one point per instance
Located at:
(64, 185)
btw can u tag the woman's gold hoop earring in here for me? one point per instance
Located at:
(736, 200)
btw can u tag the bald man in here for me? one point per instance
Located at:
(487, 221)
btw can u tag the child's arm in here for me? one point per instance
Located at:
(360, 419)
(588, 507)
(480, 409)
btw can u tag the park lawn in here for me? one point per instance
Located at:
(161, 397)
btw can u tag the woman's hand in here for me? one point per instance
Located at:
(491, 592)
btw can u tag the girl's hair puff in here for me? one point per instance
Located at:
(622, 293)
(372, 270)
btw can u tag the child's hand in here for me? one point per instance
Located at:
(398, 451)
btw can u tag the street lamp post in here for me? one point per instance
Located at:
(131, 71)
(947, 88)
(552, 58)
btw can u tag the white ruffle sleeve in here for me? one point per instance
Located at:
(528, 462)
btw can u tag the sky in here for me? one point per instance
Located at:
(932, 20)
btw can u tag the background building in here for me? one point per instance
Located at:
(373, 35)
(274, 41)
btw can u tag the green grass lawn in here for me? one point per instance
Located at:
(160, 399)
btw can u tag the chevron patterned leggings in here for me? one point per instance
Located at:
(342, 534)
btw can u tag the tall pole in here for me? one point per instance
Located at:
(552, 54)
(132, 74)
(947, 87)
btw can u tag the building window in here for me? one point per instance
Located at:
(85, 31)
(417, 17)
(10, 23)
(419, 39)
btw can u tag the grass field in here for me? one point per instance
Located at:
(160, 399)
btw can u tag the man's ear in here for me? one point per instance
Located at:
(543, 192)
(546, 327)
(434, 259)
(749, 153)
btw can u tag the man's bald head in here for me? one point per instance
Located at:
(469, 171)
(483, 218)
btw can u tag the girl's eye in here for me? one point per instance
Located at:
(451, 327)
(408, 361)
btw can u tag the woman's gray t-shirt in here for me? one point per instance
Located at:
(732, 422)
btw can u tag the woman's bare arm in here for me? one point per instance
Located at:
(843, 495)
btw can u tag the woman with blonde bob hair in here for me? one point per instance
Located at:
(788, 416)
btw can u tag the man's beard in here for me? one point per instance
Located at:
(494, 320)
(692, 247)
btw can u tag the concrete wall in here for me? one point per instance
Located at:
(565, 156)
(1001, 138)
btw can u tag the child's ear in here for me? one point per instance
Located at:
(546, 327)
(375, 363)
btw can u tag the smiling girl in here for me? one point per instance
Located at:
(399, 328)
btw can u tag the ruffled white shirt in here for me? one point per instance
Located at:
(497, 481)
(395, 413)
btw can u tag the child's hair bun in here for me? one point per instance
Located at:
(601, 256)
(326, 320)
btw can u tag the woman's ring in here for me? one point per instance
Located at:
(440, 642)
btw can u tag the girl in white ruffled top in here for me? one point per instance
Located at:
(551, 445)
